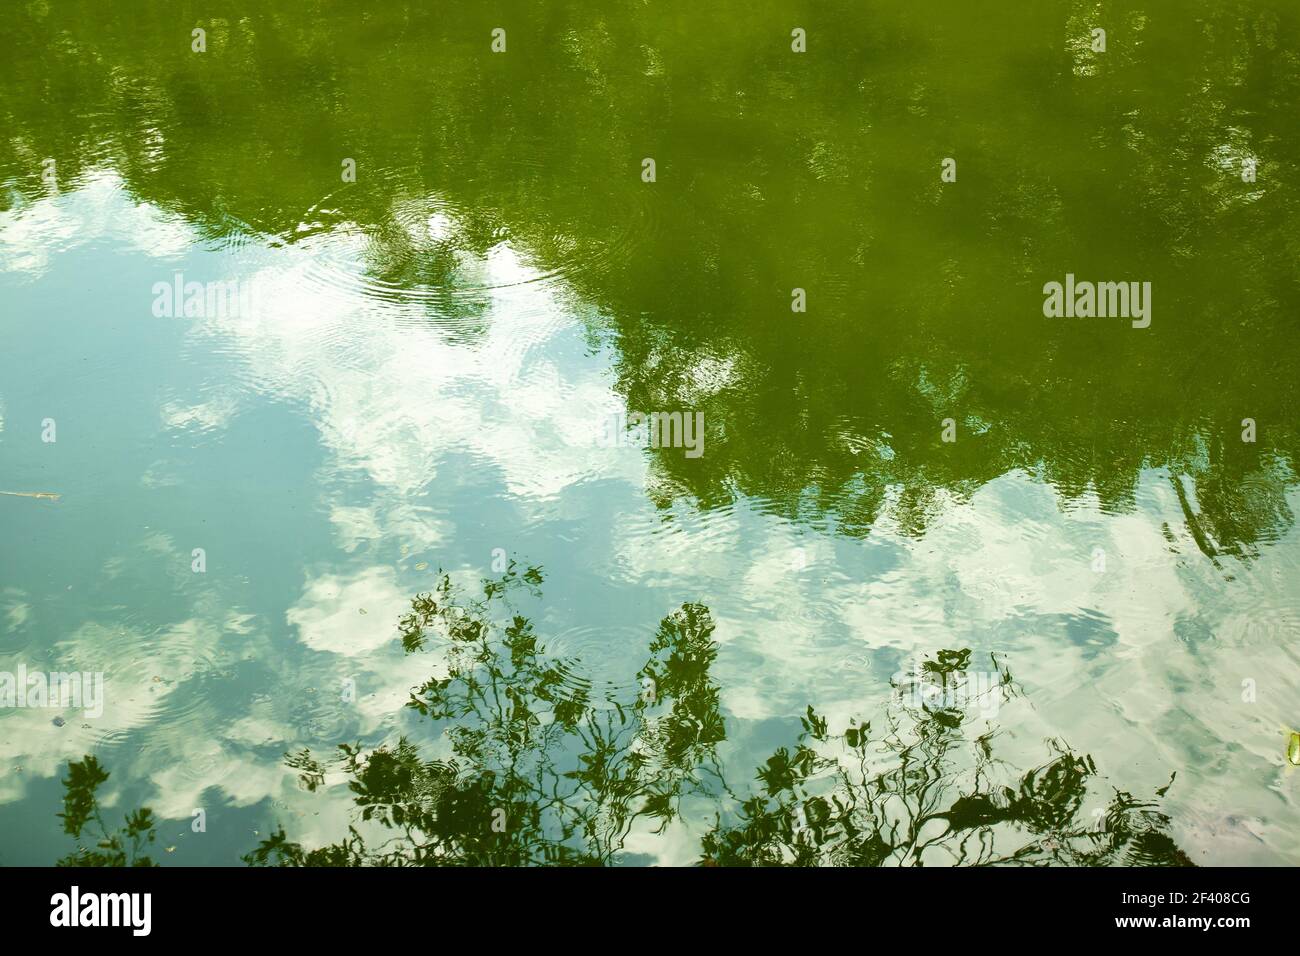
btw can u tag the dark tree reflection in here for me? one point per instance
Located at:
(776, 171)
(922, 791)
(83, 819)
(539, 768)
(533, 765)
(536, 773)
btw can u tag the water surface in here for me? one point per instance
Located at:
(425, 359)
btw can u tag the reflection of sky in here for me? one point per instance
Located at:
(330, 451)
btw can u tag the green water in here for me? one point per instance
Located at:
(426, 359)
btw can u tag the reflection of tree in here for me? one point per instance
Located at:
(921, 793)
(538, 768)
(121, 847)
(776, 171)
